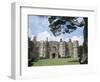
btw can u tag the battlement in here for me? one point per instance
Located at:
(55, 49)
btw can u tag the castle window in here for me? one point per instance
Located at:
(54, 48)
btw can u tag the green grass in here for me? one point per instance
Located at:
(61, 61)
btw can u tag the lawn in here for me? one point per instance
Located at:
(61, 61)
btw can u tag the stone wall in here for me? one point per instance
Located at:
(55, 49)
(75, 49)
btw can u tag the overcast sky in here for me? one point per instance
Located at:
(38, 26)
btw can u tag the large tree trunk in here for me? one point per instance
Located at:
(84, 57)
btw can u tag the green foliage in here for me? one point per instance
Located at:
(60, 25)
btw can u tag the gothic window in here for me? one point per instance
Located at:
(54, 48)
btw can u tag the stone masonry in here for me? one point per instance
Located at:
(54, 49)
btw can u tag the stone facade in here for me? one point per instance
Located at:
(54, 49)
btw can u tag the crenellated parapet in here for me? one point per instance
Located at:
(55, 49)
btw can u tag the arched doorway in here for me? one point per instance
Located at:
(53, 55)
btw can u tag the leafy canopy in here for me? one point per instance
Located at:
(60, 24)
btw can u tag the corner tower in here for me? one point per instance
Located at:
(62, 48)
(70, 48)
(75, 49)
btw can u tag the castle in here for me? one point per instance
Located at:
(53, 49)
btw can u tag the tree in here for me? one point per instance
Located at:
(29, 52)
(62, 25)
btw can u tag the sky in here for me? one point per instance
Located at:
(38, 26)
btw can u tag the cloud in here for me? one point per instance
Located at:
(80, 19)
(37, 24)
(51, 37)
(43, 35)
(29, 33)
(74, 38)
(79, 38)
